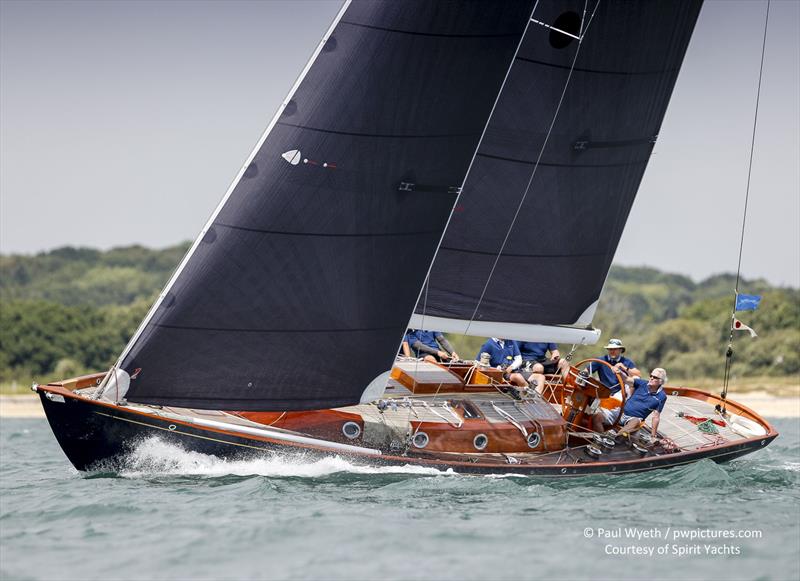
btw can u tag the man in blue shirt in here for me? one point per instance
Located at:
(504, 354)
(644, 398)
(535, 362)
(533, 353)
(618, 361)
(432, 346)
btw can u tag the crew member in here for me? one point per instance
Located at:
(504, 354)
(535, 362)
(644, 398)
(432, 346)
(614, 356)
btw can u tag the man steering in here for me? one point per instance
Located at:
(644, 398)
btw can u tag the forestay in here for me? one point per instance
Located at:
(534, 231)
(297, 293)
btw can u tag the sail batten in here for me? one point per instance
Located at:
(380, 135)
(247, 330)
(332, 234)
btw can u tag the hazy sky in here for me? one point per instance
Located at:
(124, 122)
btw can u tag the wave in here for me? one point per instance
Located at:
(154, 457)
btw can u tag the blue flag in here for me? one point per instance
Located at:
(747, 302)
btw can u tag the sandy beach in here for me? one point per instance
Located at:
(20, 406)
(769, 406)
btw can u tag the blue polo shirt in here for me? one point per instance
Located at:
(427, 338)
(499, 355)
(605, 375)
(535, 351)
(641, 403)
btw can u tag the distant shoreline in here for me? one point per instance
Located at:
(766, 405)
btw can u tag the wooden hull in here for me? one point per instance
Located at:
(100, 435)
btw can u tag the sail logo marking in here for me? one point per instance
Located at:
(293, 156)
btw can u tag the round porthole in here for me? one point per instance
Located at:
(351, 430)
(480, 441)
(421, 439)
(534, 439)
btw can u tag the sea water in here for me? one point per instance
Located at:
(173, 514)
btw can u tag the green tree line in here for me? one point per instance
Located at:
(71, 310)
(667, 320)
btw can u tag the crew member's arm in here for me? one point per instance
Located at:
(628, 380)
(421, 347)
(516, 362)
(406, 349)
(656, 419)
(442, 340)
(629, 369)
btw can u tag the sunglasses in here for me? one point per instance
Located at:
(656, 377)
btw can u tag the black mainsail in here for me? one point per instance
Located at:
(533, 234)
(298, 290)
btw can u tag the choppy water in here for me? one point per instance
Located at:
(177, 515)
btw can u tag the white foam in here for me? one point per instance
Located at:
(155, 457)
(507, 475)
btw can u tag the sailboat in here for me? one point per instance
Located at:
(396, 187)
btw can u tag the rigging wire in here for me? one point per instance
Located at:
(536, 165)
(729, 351)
